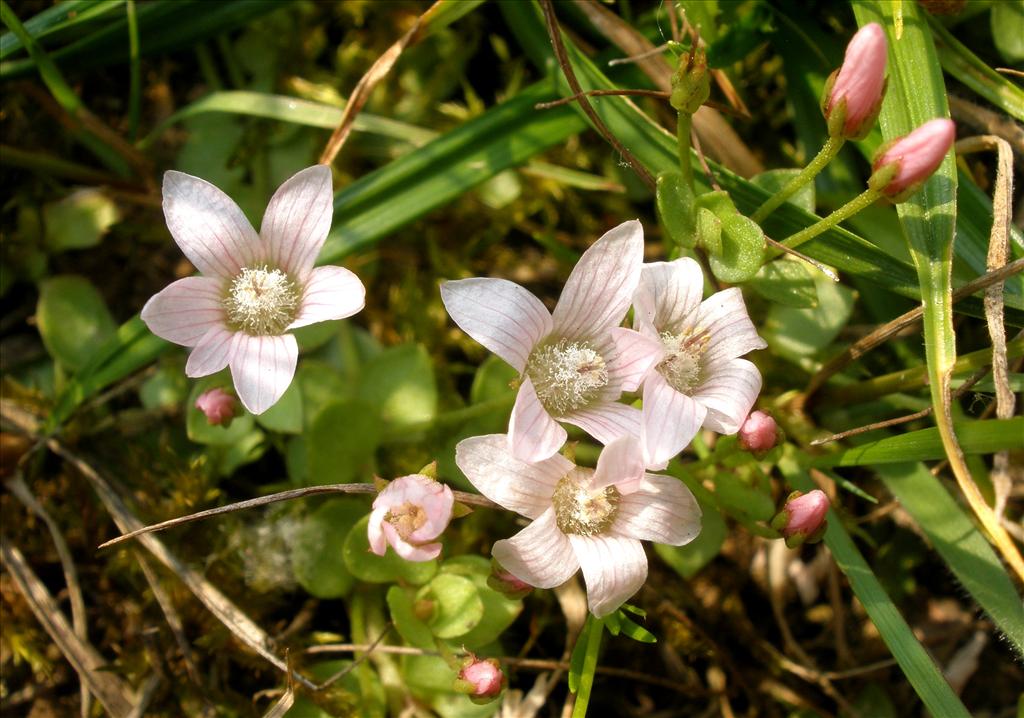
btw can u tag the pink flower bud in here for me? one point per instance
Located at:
(409, 514)
(759, 433)
(860, 84)
(915, 157)
(802, 519)
(481, 680)
(506, 584)
(218, 405)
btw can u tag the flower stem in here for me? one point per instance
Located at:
(683, 126)
(829, 150)
(862, 201)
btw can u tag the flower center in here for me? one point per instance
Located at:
(567, 375)
(406, 518)
(261, 301)
(681, 366)
(580, 510)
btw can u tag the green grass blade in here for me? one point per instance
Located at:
(57, 20)
(917, 665)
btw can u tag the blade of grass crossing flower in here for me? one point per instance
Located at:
(583, 664)
(914, 661)
(917, 94)
(60, 18)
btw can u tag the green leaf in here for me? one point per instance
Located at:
(368, 566)
(457, 606)
(797, 333)
(976, 437)
(412, 630)
(399, 384)
(79, 220)
(741, 500)
(499, 612)
(628, 627)
(1008, 31)
(788, 282)
(58, 20)
(201, 431)
(677, 214)
(285, 416)
(318, 561)
(688, 560)
(73, 320)
(773, 181)
(341, 443)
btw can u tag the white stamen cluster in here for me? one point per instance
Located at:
(579, 510)
(406, 518)
(681, 366)
(567, 375)
(261, 301)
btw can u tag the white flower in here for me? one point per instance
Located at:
(582, 518)
(409, 514)
(576, 361)
(698, 378)
(254, 287)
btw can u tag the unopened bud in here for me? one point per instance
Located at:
(217, 405)
(481, 680)
(802, 519)
(506, 584)
(691, 82)
(902, 166)
(759, 433)
(853, 95)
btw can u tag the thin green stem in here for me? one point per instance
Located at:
(135, 72)
(828, 151)
(683, 143)
(579, 710)
(862, 201)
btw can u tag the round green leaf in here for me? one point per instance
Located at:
(286, 415)
(458, 607)
(342, 442)
(73, 320)
(674, 201)
(79, 220)
(403, 614)
(317, 559)
(499, 612)
(368, 566)
(742, 250)
(400, 384)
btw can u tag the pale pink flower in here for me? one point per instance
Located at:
(481, 679)
(861, 80)
(576, 361)
(759, 432)
(255, 287)
(409, 514)
(697, 378)
(916, 155)
(581, 518)
(217, 404)
(803, 516)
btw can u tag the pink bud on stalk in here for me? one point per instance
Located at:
(481, 680)
(902, 166)
(854, 93)
(759, 433)
(217, 405)
(802, 519)
(409, 514)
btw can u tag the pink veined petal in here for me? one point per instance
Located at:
(601, 285)
(728, 392)
(540, 554)
(732, 334)
(208, 226)
(621, 464)
(329, 293)
(532, 433)
(375, 530)
(185, 310)
(667, 295)
(262, 368)
(297, 220)
(670, 420)
(614, 568)
(437, 503)
(213, 352)
(607, 421)
(662, 509)
(517, 485)
(409, 551)
(635, 357)
(499, 314)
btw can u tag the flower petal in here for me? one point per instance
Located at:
(375, 530)
(499, 314)
(728, 392)
(662, 509)
(213, 352)
(532, 433)
(614, 568)
(601, 285)
(621, 463)
(409, 551)
(520, 486)
(262, 368)
(724, 316)
(330, 293)
(635, 357)
(298, 218)
(540, 554)
(667, 294)
(606, 421)
(208, 226)
(670, 420)
(184, 311)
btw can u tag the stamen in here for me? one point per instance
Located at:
(567, 375)
(406, 518)
(681, 366)
(261, 301)
(580, 511)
